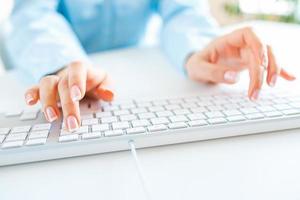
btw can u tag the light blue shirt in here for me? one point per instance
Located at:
(42, 36)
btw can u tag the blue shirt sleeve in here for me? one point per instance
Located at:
(187, 27)
(38, 40)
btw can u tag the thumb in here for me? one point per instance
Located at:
(215, 73)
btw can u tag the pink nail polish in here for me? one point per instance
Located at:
(51, 115)
(255, 95)
(72, 123)
(75, 93)
(29, 98)
(273, 80)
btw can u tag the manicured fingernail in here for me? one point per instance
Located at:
(51, 115)
(231, 76)
(106, 95)
(273, 80)
(75, 93)
(72, 123)
(255, 95)
(29, 98)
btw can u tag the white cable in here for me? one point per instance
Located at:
(139, 170)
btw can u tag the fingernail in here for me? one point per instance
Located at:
(72, 123)
(106, 95)
(29, 98)
(255, 95)
(273, 80)
(75, 93)
(51, 115)
(231, 76)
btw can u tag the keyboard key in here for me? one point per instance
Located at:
(160, 103)
(273, 114)
(199, 110)
(142, 104)
(179, 118)
(100, 127)
(81, 130)
(172, 107)
(214, 114)
(295, 104)
(177, 125)
(255, 116)
(156, 108)
(13, 113)
(266, 108)
(38, 141)
(17, 136)
(291, 112)
(120, 125)
(87, 116)
(164, 113)
(146, 115)
(248, 110)
(68, 138)
(189, 105)
(142, 122)
(4, 131)
(93, 135)
(111, 108)
(282, 107)
(127, 106)
(121, 112)
(181, 112)
(159, 127)
(13, 144)
(20, 129)
(139, 110)
(236, 118)
(38, 134)
(106, 120)
(41, 127)
(215, 108)
(232, 112)
(113, 133)
(160, 120)
(103, 114)
(196, 116)
(136, 130)
(128, 117)
(87, 122)
(197, 123)
(217, 121)
(28, 116)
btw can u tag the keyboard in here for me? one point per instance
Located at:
(25, 136)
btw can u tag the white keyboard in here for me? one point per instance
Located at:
(107, 127)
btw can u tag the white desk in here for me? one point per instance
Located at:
(262, 166)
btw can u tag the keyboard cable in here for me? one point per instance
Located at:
(139, 170)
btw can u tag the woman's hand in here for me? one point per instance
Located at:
(69, 86)
(223, 59)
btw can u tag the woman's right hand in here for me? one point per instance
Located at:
(68, 87)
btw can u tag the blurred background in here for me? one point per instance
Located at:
(226, 11)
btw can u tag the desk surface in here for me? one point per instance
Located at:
(262, 166)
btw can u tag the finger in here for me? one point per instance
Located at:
(48, 97)
(246, 37)
(70, 108)
(77, 74)
(102, 93)
(207, 72)
(32, 95)
(286, 75)
(273, 68)
(256, 73)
